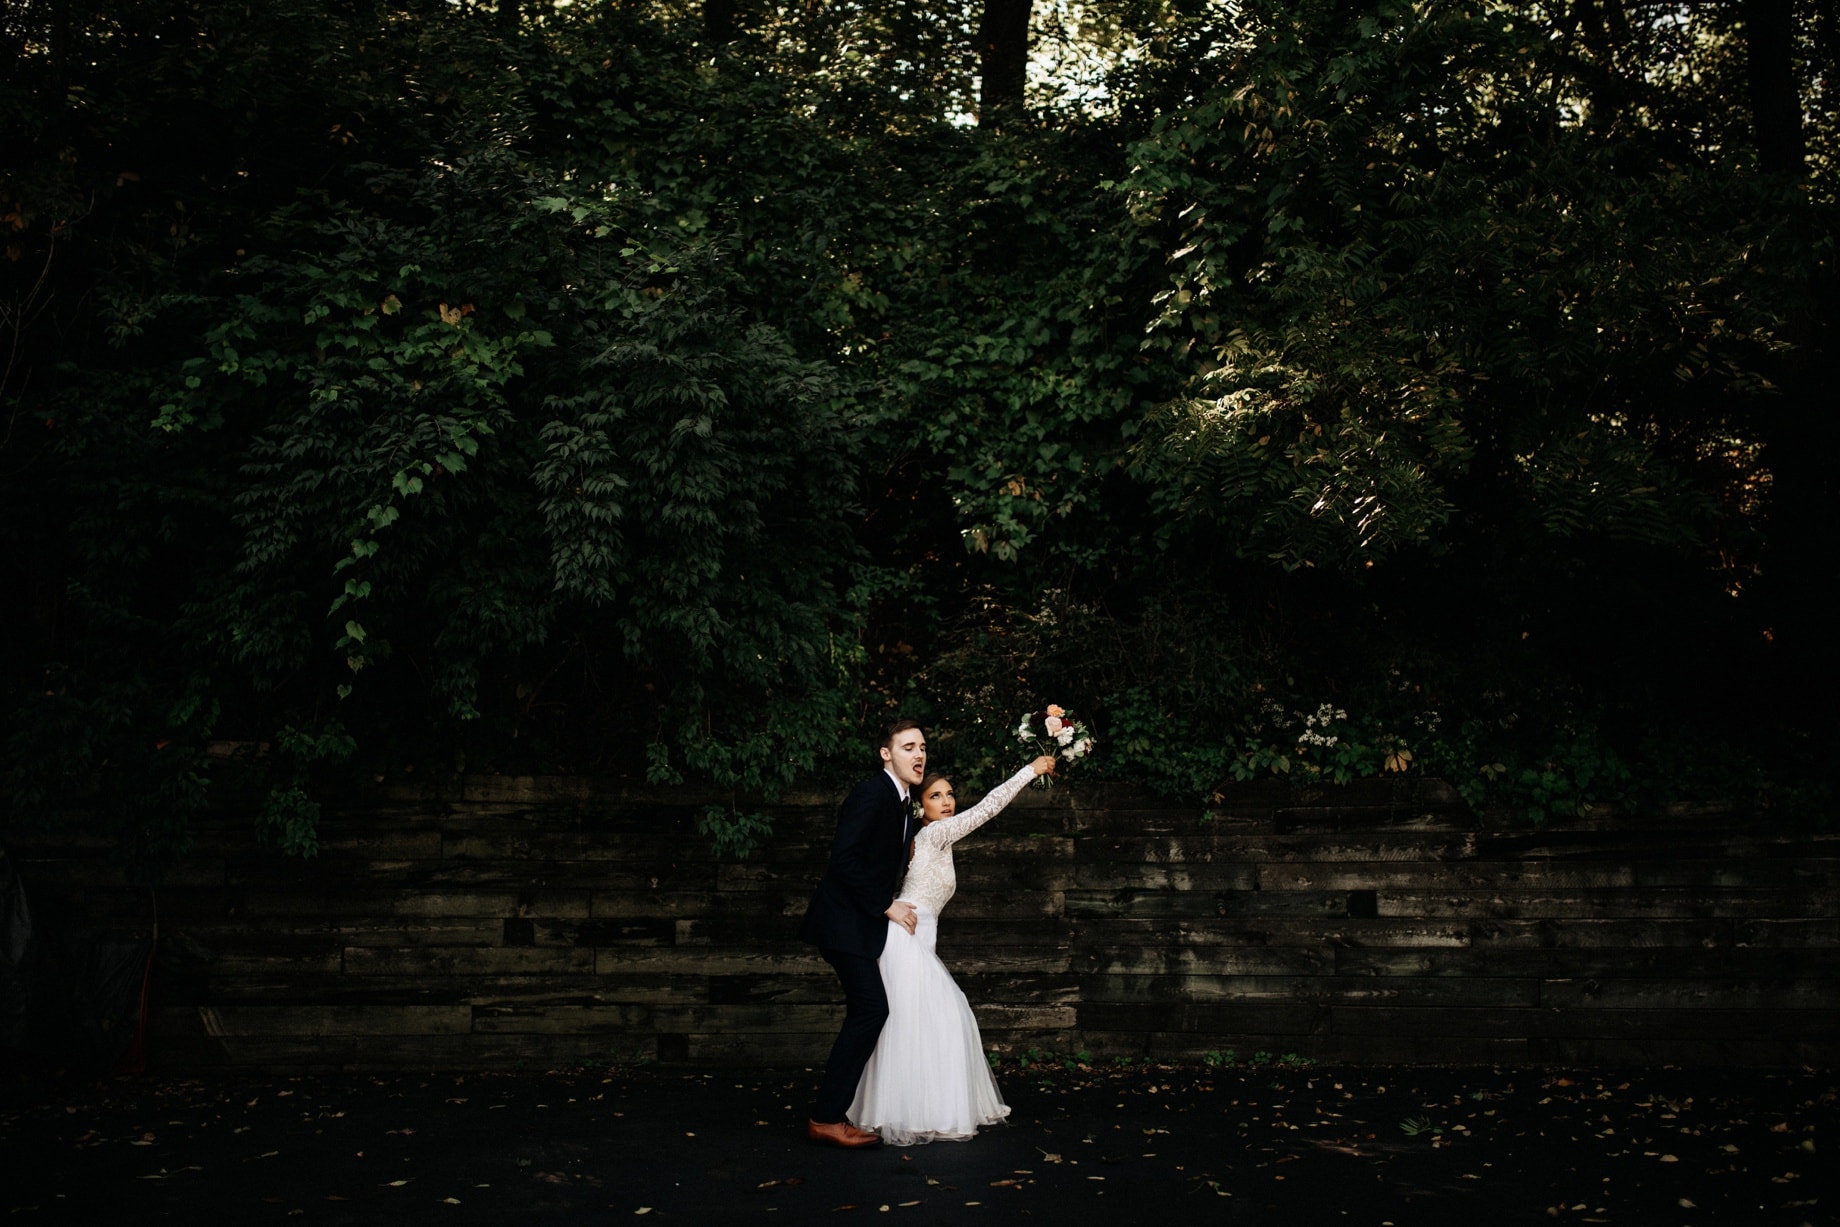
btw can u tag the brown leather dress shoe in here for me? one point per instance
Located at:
(841, 1134)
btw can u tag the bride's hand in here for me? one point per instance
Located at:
(1044, 765)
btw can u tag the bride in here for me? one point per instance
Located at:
(928, 1080)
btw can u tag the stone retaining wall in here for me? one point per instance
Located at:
(530, 923)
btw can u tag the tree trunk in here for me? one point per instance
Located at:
(1776, 107)
(1003, 53)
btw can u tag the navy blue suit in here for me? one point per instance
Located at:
(846, 919)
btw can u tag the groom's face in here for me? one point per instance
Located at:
(905, 755)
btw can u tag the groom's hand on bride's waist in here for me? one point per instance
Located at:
(902, 913)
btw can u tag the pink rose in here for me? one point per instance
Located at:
(1053, 724)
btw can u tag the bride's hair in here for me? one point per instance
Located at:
(932, 778)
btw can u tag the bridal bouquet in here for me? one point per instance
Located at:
(1055, 730)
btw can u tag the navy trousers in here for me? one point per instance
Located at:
(865, 1010)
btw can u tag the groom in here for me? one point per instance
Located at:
(847, 916)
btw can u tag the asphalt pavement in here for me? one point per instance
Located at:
(1155, 1144)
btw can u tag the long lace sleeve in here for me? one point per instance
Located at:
(949, 831)
(931, 880)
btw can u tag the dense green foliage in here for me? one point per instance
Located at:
(1311, 388)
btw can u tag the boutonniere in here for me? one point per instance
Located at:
(917, 813)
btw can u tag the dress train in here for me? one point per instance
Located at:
(928, 1080)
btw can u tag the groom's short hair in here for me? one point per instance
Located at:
(894, 729)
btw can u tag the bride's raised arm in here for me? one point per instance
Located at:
(951, 830)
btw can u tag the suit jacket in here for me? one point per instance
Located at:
(868, 857)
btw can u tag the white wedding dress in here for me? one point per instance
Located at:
(928, 1080)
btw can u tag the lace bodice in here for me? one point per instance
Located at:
(930, 878)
